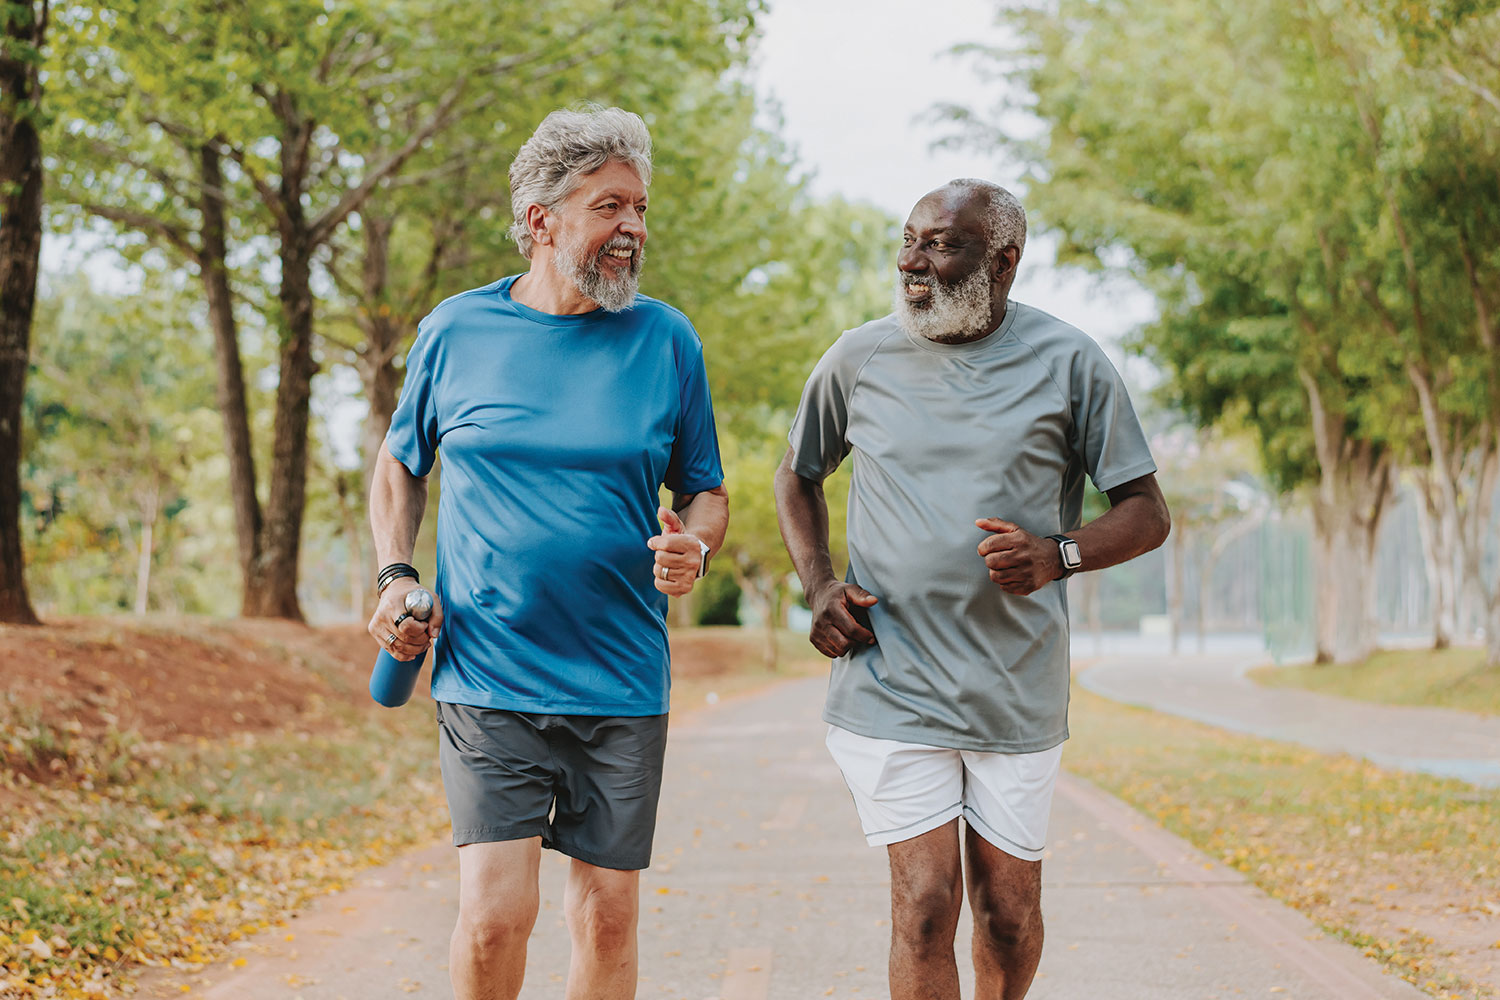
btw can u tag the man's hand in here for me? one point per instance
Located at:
(1020, 562)
(678, 555)
(835, 627)
(413, 636)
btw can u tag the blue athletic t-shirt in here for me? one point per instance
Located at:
(556, 433)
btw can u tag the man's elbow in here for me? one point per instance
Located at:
(1163, 525)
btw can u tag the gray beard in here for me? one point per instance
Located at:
(954, 314)
(612, 294)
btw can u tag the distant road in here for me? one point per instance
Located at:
(1215, 690)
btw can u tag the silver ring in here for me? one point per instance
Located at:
(401, 618)
(391, 639)
(663, 572)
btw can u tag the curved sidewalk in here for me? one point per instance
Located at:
(1215, 690)
(762, 888)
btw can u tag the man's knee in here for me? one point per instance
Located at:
(603, 920)
(496, 928)
(1007, 917)
(926, 914)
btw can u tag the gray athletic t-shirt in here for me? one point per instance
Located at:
(942, 434)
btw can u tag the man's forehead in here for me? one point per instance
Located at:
(614, 178)
(948, 209)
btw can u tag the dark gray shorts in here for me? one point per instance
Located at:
(587, 785)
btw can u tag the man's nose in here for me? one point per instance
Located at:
(910, 260)
(634, 226)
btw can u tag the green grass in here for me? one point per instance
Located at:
(1449, 678)
(1333, 836)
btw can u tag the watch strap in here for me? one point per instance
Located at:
(1063, 541)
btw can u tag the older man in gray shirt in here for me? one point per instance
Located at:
(972, 421)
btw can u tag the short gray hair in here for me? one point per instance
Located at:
(1004, 219)
(567, 146)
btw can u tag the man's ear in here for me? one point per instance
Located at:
(1006, 261)
(536, 223)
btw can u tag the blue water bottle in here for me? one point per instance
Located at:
(392, 680)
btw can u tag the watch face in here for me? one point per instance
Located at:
(1071, 557)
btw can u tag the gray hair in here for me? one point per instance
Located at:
(567, 146)
(1004, 220)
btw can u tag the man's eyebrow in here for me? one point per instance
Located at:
(617, 196)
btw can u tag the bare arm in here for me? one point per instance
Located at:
(397, 502)
(838, 607)
(693, 516)
(1137, 522)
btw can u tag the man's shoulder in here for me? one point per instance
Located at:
(860, 343)
(1048, 336)
(657, 313)
(456, 306)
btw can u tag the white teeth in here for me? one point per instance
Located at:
(622, 254)
(917, 289)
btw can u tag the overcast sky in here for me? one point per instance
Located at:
(857, 94)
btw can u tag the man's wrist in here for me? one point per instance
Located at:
(391, 572)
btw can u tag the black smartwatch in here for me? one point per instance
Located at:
(1072, 559)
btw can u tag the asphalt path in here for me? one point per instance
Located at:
(1215, 690)
(762, 887)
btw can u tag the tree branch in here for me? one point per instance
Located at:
(148, 224)
(1477, 89)
(324, 226)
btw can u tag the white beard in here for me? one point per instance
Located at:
(613, 294)
(953, 314)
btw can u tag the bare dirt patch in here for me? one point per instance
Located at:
(173, 679)
(167, 679)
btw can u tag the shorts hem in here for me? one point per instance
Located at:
(497, 834)
(885, 838)
(998, 840)
(614, 862)
(480, 699)
(947, 743)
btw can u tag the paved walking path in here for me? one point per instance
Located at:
(1214, 689)
(762, 888)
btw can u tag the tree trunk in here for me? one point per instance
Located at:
(1354, 487)
(271, 591)
(147, 553)
(1438, 560)
(1175, 586)
(20, 253)
(384, 334)
(361, 599)
(776, 607)
(1345, 532)
(233, 409)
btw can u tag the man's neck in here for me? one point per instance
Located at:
(543, 289)
(997, 317)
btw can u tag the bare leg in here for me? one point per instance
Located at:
(1005, 894)
(926, 896)
(497, 905)
(602, 906)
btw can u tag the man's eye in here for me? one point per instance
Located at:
(906, 241)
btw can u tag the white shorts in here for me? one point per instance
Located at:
(903, 790)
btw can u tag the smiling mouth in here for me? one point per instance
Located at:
(622, 256)
(917, 291)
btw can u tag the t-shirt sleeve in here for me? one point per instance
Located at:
(819, 435)
(695, 465)
(1107, 433)
(413, 436)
